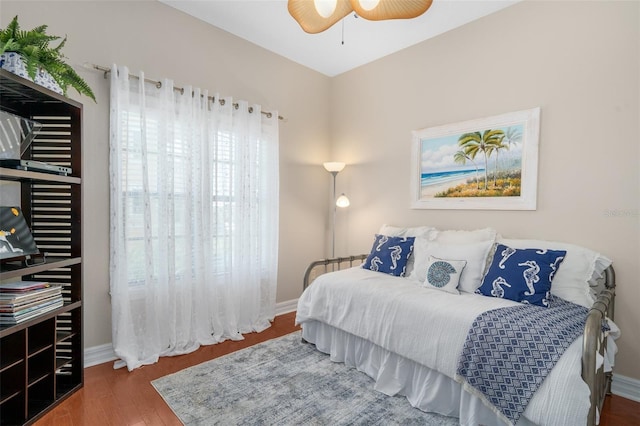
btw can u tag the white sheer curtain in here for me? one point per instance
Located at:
(194, 219)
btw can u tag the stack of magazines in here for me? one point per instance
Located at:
(23, 300)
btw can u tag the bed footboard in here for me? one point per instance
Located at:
(595, 342)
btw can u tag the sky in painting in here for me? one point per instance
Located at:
(437, 153)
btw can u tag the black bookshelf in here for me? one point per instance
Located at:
(41, 359)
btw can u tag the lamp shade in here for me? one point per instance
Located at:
(333, 166)
(343, 201)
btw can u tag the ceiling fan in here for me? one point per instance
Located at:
(315, 16)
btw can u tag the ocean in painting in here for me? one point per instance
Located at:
(438, 178)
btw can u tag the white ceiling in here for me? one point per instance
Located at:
(268, 24)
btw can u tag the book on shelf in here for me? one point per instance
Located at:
(16, 307)
(38, 306)
(11, 319)
(7, 298)
(22, 286)
(23, 300)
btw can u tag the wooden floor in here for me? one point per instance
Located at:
(119, 397)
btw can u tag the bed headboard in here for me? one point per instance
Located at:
(319, 267)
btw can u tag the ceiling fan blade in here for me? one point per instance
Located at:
(392, 9)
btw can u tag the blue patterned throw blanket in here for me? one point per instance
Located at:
(509, 352)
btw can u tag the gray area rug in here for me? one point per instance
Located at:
(284, 382)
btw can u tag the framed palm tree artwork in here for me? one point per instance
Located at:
(483, 164)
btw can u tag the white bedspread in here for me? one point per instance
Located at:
(430, 327)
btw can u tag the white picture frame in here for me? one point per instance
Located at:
(483, 164)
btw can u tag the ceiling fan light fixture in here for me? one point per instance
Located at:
(368, 4)
(325, 8)
(307, 14)
(378, 10)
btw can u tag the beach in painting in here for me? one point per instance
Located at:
(434, 183)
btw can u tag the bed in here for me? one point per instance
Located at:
(426, 332)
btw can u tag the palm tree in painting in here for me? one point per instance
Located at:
(496, 147)
(462, 158)
(476, 142)
(512, 136)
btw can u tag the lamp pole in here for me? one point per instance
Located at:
(334, 168)
(333, 227)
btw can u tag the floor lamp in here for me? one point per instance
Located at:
(342, 201)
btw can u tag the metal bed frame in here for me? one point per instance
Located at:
(594, 341)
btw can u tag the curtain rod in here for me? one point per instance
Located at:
(158, 84)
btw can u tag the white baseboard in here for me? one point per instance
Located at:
(626, 387)
(104, 353)
(286, 307)
(99, 354)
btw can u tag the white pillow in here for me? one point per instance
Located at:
(444, 274)
(396, 231)
(580, 268)
(475, 254)
(454, 236)
(419, 260)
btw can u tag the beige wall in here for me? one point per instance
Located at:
(166, 43)
(579, 62)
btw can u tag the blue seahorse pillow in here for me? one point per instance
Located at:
(522, 275)
(444, 274)
(389, 255)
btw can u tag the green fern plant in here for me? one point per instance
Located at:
(33, 46)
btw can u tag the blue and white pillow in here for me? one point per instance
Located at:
(444, 274)
(389, 255)
(522, 275)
